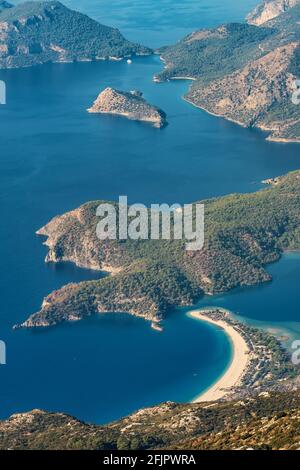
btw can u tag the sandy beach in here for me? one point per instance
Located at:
(238, 365)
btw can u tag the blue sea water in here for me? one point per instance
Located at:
(272, 306)
(160, 22)
(55, 156)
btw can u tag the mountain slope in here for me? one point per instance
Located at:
(211, 54)
(269, 421)
(269, 9)
(253, 95)
(244, 73)
(38, 32)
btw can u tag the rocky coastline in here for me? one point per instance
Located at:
(130, 105)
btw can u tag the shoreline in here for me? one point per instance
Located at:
(269, 138)
(237, 367)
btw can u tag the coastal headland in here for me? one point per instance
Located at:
(243, 233)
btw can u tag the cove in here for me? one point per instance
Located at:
(272, 306)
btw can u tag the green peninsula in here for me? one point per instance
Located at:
(243, 233)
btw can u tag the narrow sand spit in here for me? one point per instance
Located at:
(238, 366)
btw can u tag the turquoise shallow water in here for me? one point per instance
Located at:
(273, 306)
(54, 156)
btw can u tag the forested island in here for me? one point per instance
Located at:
(243, 233)
(243, 72)
(35, 33)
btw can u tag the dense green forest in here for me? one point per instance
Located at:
(211, 54)
(243, 233)
(48, 31)
(243, 73)
(208, 55)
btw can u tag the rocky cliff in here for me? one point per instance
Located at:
(270, 9)
(131, 105)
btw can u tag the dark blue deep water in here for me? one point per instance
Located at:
(55, 156)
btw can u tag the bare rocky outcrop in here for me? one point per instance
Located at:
(269, 10)
(71, 237)
(131, 105)
(250, 95)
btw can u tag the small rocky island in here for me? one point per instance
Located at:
(129, 104)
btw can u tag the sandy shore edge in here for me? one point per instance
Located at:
(238, 365)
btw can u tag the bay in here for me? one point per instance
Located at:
(55, 156)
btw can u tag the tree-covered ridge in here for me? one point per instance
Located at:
(39, 32)
(215, 53)
(269, 421)
(209, 54)
(243, 233)
(244, 73)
